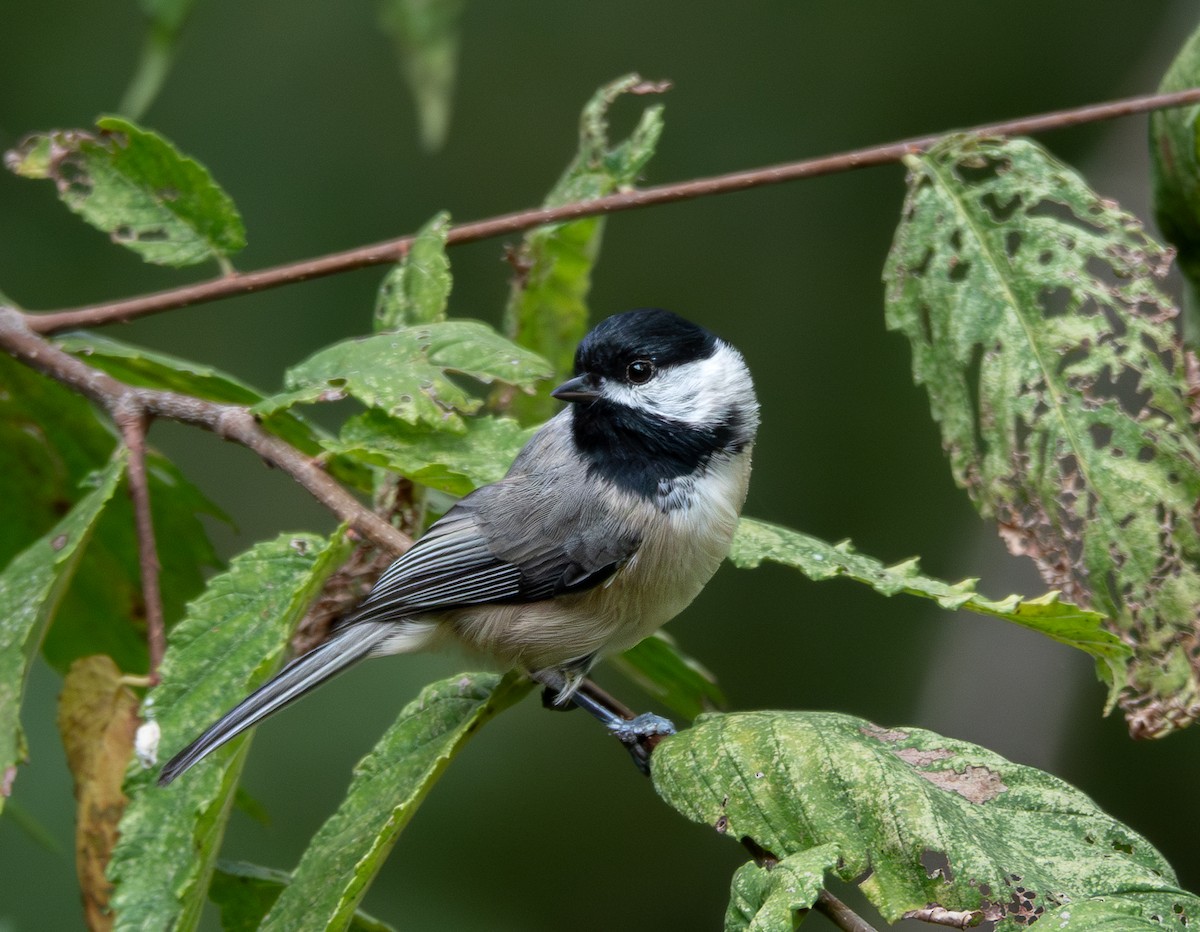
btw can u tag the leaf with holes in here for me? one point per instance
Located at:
(758, 541)
(1055, 372)
(930, 822)
(547, 309)
(407, 372)
(31, 587)
(137, 187)
(231, 641)
(389, 785)
(417, 289)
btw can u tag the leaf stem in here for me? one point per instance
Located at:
(232, 284)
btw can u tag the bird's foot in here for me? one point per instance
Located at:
(641, 735)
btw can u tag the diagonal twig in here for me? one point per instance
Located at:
(392, 250)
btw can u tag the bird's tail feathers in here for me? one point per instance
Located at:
(349, 645)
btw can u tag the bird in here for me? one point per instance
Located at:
(608, 524)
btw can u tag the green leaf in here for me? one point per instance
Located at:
(453, 463)
(134, 185)
(680, 682)
(389, 785)
(406, 372)
(425, 33)
(764, 899)
(417, 289)
(1057, 378)
(1175, 165)
(158, 52)
(232, 640)
(244, 892)
(50, 440)
(933, 821)
(757, 541)
(30, 589)
(547, 306)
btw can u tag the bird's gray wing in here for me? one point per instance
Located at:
(517, 540)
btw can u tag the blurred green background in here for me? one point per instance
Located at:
(299, 111)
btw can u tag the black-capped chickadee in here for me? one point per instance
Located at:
(608, 524)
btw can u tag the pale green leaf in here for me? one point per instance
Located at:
(244, 892)
(768, 898)
(1056, 376)
(757, 541)
(426, 36)
(547, 306)
(389, 785)
(417, 289)
(232, 640)
(680, 682)
(134, 185)
(31, 587)
(453, 463)
(407, 372)
(929, 821)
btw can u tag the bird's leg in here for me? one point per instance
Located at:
(639, 733)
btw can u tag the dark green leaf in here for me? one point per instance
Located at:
(934, 823)
(1056, 375)
(426, 36)
(454, 463)
(232, 639)
(103, 611)
(1175, 163)
(680, 682)
(30, 589)
(389, 785)
(406, 372)
(417, 289)
(244, 893)
(547, 307)
(134, 185)
(1068, 624)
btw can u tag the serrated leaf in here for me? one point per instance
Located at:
(680, 682)
(757, 541)
(935, 822)
(231, 640)
(1175, 167)
(547, 306)
(97, 718)
(767, 899)
(244, 892)
(417, 289)
(453, 463)
(425, 33)
(30, 589)
(389, 785)
(1056, 376)
(406, 372)
(137, 187)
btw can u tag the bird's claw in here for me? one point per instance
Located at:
(641, 735)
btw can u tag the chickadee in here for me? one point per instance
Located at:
(608, 524)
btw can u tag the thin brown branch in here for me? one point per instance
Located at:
(840, 914)
(391, 250)
(132, 421)
(230, 422)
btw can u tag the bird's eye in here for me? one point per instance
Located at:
(640, 371)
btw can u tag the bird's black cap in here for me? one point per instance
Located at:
(664, 338)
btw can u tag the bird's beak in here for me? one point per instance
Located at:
(580, 388)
